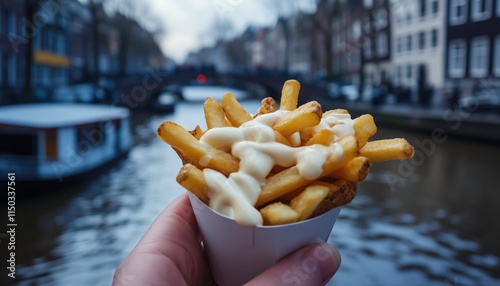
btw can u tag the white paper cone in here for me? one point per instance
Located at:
(237, 253)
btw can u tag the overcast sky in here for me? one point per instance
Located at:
(188, 22)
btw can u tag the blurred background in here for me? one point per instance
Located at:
(85, 84)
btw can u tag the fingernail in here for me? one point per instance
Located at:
(324, 258)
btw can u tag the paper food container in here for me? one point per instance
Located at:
(237, 253)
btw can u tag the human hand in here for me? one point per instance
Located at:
(171, 253)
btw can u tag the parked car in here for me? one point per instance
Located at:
(87, 92)
(333, 90)
(484, 99)
(165, 102)
(84, 92)
(341, 92)
(349, 92)
(372, 94)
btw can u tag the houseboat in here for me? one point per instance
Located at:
(54, 141)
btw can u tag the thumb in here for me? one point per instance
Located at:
(312, 265)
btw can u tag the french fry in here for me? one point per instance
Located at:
(355, 170)
(281, 139)
(192, 179)
(290, 95)
(291, 195)
(267, 105)
(278, 213)
(197, 132)
(198, 153)
(235, 112)
(387, 149)
(290, 179)
(341, 193)
(309, 200)
(214, 114)
(323, 137)
(307, 115)
(335, 111)
(364, 128)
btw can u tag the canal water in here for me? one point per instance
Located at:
(429, 221)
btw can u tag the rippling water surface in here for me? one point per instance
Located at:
(437, 226)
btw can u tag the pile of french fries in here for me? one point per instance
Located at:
(286, 196)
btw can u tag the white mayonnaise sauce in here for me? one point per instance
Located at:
(254, 144)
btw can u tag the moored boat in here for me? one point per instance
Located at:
(54, 141)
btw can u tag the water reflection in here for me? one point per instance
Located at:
(437, 227)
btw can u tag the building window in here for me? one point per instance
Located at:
(37, 42)
(381, 19)
(355, 61)
(434, 38)
(409, 43)
(399, 16)
(479, 57)
(498, 8)
(409, 8)
(481, 9)
(409, 72)
(59, 76)
(458, 12)
(422, 8)
(368, 48)
(434, 7)
(12, 68)
(399, 45)
(12, 22)
(45, 75)
(34, 74)
(421, 40)
(356, 29)
(60, 45)
(398, 75)
(20, 70)
(496, 63)
(382, 44)
(456, 60)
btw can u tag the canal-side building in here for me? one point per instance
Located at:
(275, 47)
(348, 40)
(80, 44)
(300, 44)
(473, 44)
(57, 35)
(376, 57)
(51, 61)
(419, 41)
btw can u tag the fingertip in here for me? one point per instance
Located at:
(312, 265)
(324, 259)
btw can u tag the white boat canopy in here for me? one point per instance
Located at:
(53, 115)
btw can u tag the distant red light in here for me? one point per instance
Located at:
(201, 78)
